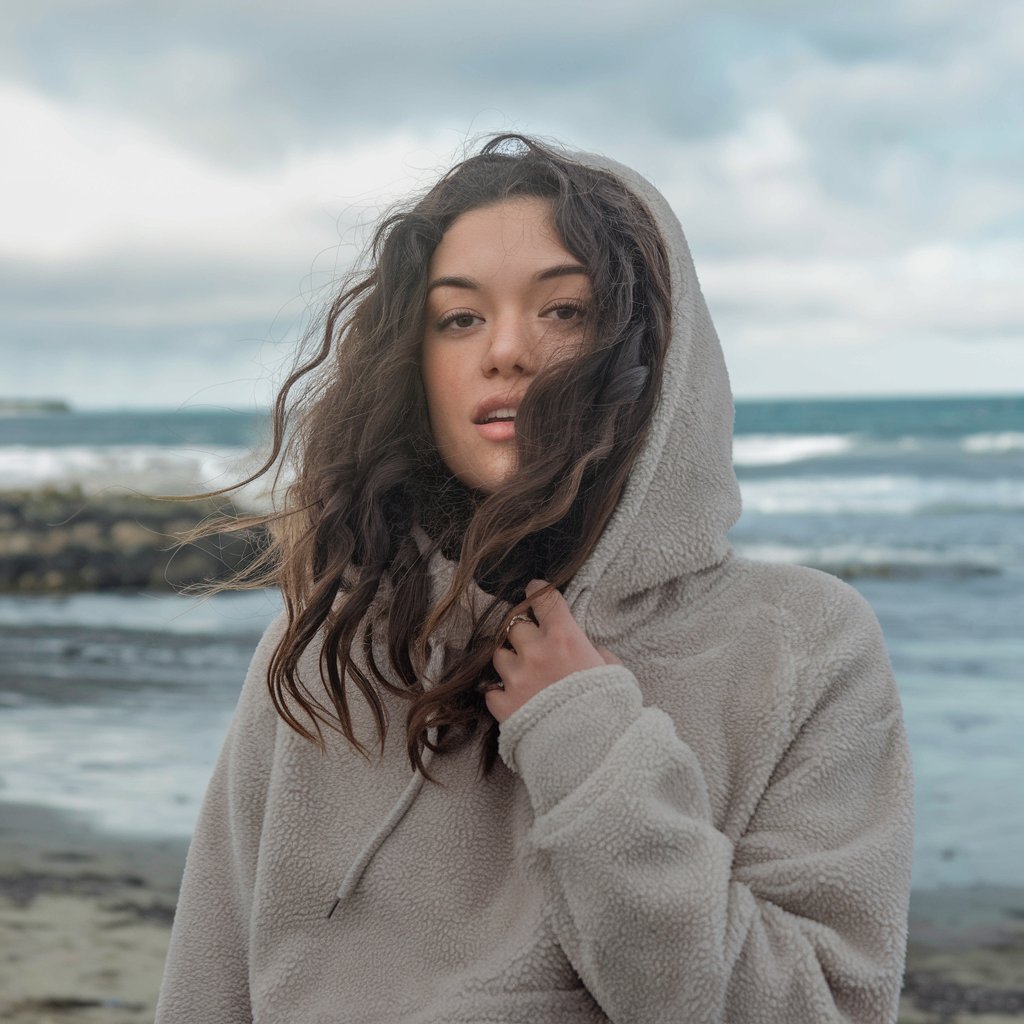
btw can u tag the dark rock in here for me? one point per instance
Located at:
(65, 541)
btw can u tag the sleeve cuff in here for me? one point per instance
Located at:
(557, 739)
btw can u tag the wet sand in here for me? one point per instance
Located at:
(965, 957)
(85, 919)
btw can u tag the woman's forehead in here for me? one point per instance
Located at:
(513, 239)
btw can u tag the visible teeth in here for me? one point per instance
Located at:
(500, 414)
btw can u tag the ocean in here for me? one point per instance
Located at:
(115, 705)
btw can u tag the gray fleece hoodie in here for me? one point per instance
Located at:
(720, 830)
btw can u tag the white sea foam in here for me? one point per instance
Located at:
(151, 469)
(777, 449)
(883, 493)
(1007, 441)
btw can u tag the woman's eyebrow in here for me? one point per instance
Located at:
(562, 270)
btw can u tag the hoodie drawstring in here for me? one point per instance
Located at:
(404, 802)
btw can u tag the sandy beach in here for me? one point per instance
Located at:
(85, 919)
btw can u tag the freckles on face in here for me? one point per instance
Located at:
(505, 299)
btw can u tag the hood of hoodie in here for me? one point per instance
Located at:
(682, 496)
(678, 505)
(682, 488)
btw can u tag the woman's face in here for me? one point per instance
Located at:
(505, 298)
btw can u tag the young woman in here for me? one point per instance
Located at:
(512, 458)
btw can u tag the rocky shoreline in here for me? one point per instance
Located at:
(67, 541)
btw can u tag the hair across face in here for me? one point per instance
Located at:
(505, 299)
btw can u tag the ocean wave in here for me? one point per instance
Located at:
(230, 613)
(880, 494)
(1005, 441)
(778, 449)
(853, 561)
(151, 469)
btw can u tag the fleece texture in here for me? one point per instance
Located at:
(718, 830)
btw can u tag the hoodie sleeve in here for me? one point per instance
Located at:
(206, 975)
(803, 920)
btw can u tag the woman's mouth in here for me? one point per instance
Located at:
(500, 425)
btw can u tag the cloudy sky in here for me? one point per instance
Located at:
(183, 184)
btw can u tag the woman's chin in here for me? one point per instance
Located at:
(486, 476)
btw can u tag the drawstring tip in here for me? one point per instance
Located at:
(334, 906)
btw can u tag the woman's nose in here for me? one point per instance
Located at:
(510, 345)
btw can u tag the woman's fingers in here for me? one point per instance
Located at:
(517, 631)
(550, 606)
(555, 649)
(503, 661)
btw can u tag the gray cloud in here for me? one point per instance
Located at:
(246, 82)
(145, 289)
(782, 130)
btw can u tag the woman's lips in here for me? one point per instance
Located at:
(497, 430)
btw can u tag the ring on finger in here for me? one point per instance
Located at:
(515, 619)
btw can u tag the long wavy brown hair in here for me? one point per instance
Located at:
(350, 424)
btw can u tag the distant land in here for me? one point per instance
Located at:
(27, 406)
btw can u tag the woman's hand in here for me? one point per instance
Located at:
(543, 654)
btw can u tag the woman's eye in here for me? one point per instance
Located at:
(573, 311)
(460, 320)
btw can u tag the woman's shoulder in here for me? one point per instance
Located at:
(268, 642)
(255, 695)
(793, 584)
(823, 611)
